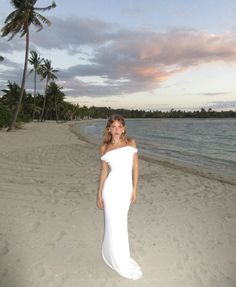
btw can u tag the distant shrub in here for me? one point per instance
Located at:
(24, 118)
(5, 116)
(19, 125)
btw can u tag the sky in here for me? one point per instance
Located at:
(149, 55)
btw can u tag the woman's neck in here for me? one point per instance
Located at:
(116, 141)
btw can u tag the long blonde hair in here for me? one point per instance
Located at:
(107, 136)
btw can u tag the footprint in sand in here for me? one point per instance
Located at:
(3, 247)
(52, 214)
(39, 191)
(30, 211)
(47, 276)
(59, 280)
(58, 237)
(54, 200)
(39, 270)
(34, 227)
(3, 274)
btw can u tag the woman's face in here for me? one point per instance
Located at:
(116, 129)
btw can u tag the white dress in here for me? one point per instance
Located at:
(116, 196)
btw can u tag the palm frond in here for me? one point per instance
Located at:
(53, 77)
(7, 29)
(16, 3)
(11, 16)
(34, 58)
(30, 72)
(24, 29)
(33, 55)
(42, 18)
(37, 23)
(53, 5)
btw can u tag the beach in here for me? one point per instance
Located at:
(182, 229)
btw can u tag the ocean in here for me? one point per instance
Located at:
(203, 145)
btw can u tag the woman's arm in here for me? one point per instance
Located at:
(103, 174)
(135, 173)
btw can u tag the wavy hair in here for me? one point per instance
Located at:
(107, 136)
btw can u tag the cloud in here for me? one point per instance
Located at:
(127, 61)
(222, 105)
(16, 44)
(71, 34)
(214, 94)
(146, 60)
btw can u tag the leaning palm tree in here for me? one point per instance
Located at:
(35, 61)
(19, 21)
(47, 72)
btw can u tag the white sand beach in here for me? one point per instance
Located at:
(182, 229)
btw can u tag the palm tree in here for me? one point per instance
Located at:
(55, 98)
(47, 72)
(19, 21)
(35, 61)
(10, 96)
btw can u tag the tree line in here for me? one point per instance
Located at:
(52, 106)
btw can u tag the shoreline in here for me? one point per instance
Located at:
(164, 162)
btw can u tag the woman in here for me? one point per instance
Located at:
(117, 189)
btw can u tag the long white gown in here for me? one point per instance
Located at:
(116, 196)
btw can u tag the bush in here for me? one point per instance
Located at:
(24, 118)
(5, 116)
(19, 125)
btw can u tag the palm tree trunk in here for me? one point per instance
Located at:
(34, 93)
(56, 108)
(58, 112)
(44, 100)
(46, 114)
(13, 122)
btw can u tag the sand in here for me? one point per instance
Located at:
(182, 229)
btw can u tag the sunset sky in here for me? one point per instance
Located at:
(152, 54)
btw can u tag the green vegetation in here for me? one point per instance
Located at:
(95, 112)
(5, 115)
(56, 108)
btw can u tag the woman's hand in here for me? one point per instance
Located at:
(99, 201)
(133, 196)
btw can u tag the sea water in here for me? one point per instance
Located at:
(203, 143)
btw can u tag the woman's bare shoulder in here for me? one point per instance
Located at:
(132, 142)
(102, 148)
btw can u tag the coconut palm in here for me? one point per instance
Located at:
(19, 21)
(10, 96)
(35, 61)
(55, 98)
(47, 72)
